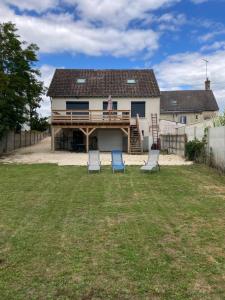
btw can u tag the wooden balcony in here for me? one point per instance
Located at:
(90, 117)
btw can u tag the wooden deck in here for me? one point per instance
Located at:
(90, 117)
(87, 121)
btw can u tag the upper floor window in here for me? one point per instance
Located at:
(138, 108)
(78, 105)
(131, 81)
(183, 119)
(81, 80)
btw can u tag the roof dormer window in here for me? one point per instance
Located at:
(131, 81)
(81, 80)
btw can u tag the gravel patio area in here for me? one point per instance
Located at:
(41, 153)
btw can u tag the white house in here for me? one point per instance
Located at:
(188, 106)
(81, 119)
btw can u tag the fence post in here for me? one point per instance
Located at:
(6, 148)
(14, 142)
(169, 139)
(176, 138)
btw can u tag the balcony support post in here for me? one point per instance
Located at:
(87, 140)
(128, 141)
(127, 132)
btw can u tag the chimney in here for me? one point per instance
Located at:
(207, 84)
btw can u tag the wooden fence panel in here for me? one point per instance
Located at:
(173, 143)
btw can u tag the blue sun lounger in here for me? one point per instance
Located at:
(117, 161)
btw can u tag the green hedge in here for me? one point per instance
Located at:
(195, 150)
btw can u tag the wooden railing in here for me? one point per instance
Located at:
(139, 131)
(90, 116)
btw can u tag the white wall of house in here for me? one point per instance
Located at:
(152, 106)
(191, 118)
(110, 139)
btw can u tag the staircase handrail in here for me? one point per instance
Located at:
(139, 131)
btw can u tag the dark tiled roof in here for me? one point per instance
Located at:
(187, 101)
(102, 83)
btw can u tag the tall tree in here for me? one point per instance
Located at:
(20, 89)
(39, 123)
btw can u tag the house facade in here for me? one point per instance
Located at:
(80, 116)
(188, 106)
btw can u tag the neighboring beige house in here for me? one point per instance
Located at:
(80, 119)
(189, 106)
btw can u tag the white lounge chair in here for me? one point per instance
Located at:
(153, 161)
(94, 163)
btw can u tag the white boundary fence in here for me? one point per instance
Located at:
(215, 137)
(195, 131)
(216, 146)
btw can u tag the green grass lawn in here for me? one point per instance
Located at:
(65, 234)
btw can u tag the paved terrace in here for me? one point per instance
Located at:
(41, 153)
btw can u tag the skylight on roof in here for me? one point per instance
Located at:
(174, 102)
(81, 80)
(131, 81)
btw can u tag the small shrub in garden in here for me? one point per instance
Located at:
(195, 150)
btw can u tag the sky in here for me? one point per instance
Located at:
(170, 36)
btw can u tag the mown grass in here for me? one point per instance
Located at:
(65, 234)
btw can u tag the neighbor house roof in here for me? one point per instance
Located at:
(187, 101)
(102, 83)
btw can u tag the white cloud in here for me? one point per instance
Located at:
(170, 21)
(60, 33)
(117, 13)
(39, 6)
(214, 29)
(47, 72)
(188, 70)
(214, 46)
(211, 35)
(91, 27)
(45, 109)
